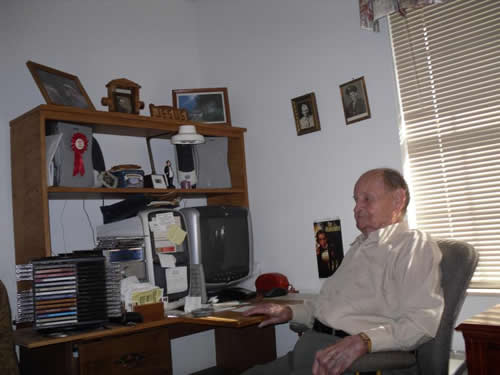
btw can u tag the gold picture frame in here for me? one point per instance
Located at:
(305, 112)
(355, 100)
(58, 87)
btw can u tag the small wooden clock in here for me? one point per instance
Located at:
(123, 96)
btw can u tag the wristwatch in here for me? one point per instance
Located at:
(366, 340)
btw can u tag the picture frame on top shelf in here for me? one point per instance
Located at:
(206, 105)
(355, 100)
(305, 112)
(58, 87)
(124, 103)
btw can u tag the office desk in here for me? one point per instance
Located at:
(482, 342)
(145, 348)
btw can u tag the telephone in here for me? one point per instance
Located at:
(197, 282)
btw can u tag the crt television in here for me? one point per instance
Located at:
(220, 239)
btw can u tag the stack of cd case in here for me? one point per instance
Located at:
(127, 252)
(24, 272)
(69, 292)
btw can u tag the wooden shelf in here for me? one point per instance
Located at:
(115, 123)
(59, 192)
(30, 194)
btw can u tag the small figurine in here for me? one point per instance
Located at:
(169, 174)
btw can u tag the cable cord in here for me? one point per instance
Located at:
(62, 228)
(196, 163)
(90, 223)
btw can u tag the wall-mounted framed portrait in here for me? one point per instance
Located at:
(59, 87)
(210, 106)
(305, 112)
(355, 100)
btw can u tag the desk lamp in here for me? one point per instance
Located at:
(187, 135)
(184, 141)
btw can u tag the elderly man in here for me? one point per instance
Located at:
(386, 294)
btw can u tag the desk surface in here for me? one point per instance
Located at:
(490, 319)
(28, 338)
(482, 342)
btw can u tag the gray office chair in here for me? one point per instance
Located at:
(432, 358)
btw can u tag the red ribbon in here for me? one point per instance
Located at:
(79, 144)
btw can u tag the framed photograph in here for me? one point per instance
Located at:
(305, 112)
(58, 87)
(355, 100)
(210, 106)
(123, 102)
(158, 181)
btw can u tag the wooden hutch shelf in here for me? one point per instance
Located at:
(31, 193)
(58, 192)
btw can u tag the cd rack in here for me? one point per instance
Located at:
(69, 292)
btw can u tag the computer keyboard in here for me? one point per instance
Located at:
(235, 294)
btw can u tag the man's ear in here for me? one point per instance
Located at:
(399, 198)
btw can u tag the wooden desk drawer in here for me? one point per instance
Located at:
(146, 352)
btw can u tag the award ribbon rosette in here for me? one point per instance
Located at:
(79, 144)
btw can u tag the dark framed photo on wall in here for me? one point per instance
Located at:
(355, 100)
(58, 87)
(305, 113)
(210, 106)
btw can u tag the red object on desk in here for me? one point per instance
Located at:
(268, 281)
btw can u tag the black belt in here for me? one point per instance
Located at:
(320, 327)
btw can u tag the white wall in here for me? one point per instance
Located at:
(266, 52)
(151, 42)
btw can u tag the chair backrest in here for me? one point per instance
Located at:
(8, 358)
(457, 266)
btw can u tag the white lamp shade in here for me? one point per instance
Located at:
(187, 135)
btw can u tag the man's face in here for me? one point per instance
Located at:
(376, 207)
(323, 242)
(305, 110)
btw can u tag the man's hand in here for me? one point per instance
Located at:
(336, 358)
(275, 313)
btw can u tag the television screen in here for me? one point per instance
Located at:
(220, 238)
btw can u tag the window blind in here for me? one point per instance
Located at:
(447, 60)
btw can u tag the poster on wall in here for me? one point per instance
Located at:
(329, 248)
